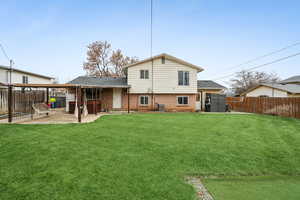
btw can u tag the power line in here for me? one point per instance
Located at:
(151, 43)
(262, 65)
(264, 56)
(4, 52)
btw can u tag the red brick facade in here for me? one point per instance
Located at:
(169, 100)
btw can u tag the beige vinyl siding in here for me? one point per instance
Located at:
(270, 92)
(17, 77)
(165, 78)
(294, 95)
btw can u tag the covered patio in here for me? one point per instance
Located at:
(86, 105)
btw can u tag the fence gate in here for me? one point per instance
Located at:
(215, 102)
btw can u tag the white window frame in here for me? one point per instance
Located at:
(188, 100)
(140, 97)
(184, 82)
(143, 74)
(25, 79)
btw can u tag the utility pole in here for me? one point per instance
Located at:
(151, 43)
(10, 70)
(10, 93)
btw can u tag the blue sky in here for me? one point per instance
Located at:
(50, 37)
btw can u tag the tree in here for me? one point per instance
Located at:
(98, 59)
(118, 61)
(103, 62)
(245, 80)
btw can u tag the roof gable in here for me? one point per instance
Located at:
(169, 57)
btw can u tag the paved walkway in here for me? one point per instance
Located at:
(202, 192)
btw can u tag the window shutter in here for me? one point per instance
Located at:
(147, 74)
(180, 77)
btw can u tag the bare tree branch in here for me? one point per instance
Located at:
(103, 62)
(247, 79)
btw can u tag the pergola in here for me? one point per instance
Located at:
(78, 87)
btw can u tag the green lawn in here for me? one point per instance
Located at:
(258, 188)
(142, 156)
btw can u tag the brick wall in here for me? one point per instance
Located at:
(169, 100)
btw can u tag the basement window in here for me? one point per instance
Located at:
(183, 100)
(144, 100)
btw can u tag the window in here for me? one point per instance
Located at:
(163, 60)
(184, 100)
(144, 74)
(183, 78)
(144, 100)
(25, 79)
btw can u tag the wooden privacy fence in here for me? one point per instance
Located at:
(287, 107)
(21, 100)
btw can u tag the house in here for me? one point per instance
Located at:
(208, 87)
(273, 90)
(20, 76)
(161, 80)
(287, 88)
(291, 80)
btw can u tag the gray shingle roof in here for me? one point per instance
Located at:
(97, 81)
(208, 84)
(292, 88)
(292, 79)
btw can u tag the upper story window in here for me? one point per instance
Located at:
(183, 78)
(144, 74)
(163, 60)
(25, 79)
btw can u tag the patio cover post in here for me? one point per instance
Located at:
(128, 101)
(79, 103)
(10, 103)
(47, 98)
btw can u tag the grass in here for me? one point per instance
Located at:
(259, 188)
(142, 156)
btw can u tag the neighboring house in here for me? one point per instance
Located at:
(287, 88)
(20, 76)
(208, 87)
(291, 80)
(162, 79)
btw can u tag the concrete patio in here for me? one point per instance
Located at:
(57, 116)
